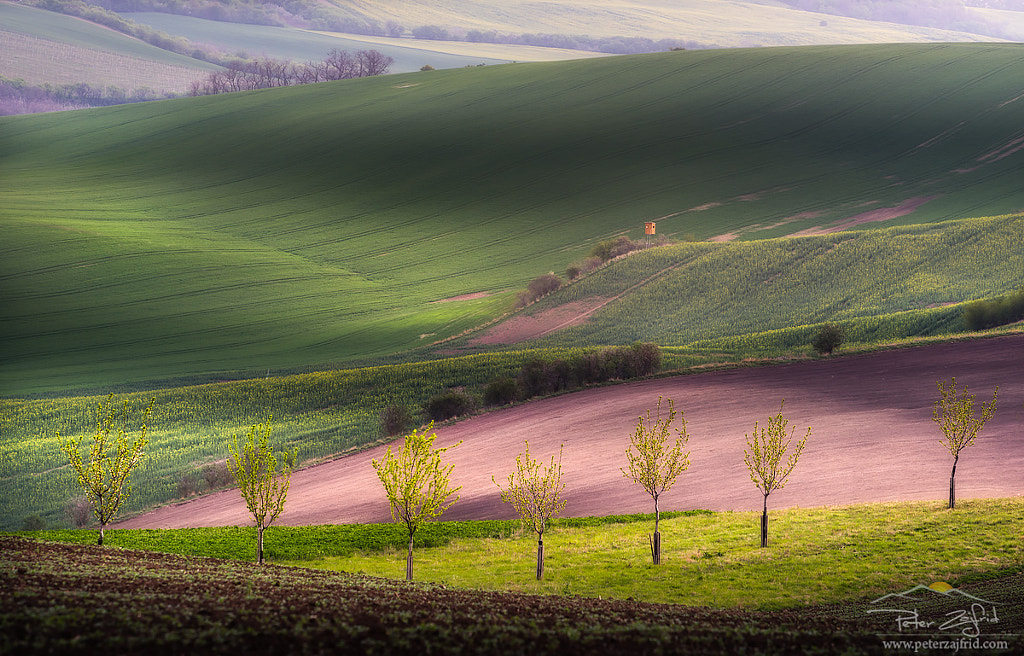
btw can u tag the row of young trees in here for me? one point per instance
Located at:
(266, 73)
(417, 482)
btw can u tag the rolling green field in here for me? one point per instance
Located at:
(883, 285)
(321, 225)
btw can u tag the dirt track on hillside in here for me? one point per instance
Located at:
(873, 439)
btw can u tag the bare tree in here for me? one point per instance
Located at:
(106, 476)
(263, 487)
(266, 73)
(373, 62)
(763, 458)
(954, 412)
(536, 494)
(340, 65)
(653, 464)
(416, 483)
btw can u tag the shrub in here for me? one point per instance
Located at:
(501, 391)
(188, 485)
(217, 474)
(624, 245)
(448, 405)
(394, 420)
(1000, 311)
(830, 336)
(612, 248)
(33, 523)
(573, 272)
(78, 512)
(538, 376)
(431, 32)
(538, 287)
(602, 250)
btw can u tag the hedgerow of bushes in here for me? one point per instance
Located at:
(539, 376)
(982, 315)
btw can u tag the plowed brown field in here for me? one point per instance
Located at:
(873, 439)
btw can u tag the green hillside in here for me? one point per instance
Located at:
(321, 224)
(711, 302)
(883, 284)
(41, 46)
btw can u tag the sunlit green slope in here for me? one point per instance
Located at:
(324, 223)
(881, 285)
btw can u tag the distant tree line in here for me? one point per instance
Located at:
(19, 97)
(266, 73)
(311, 14)
(613, 45)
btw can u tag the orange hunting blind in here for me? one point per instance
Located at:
(649, 228)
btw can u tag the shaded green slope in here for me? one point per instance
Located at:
(321, 223)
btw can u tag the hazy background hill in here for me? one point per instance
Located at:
(326, 224)
(41, 47)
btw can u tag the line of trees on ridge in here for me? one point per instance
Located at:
(19, 97)
(266, 73)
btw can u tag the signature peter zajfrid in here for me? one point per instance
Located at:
(967, 620)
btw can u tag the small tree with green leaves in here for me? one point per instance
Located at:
(255, 469)
(536, 494)
(954, 412)
(654, 464)
(105, 476)
(416, 483)
(763, 457)
(829, 338)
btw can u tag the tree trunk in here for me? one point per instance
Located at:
(408, 561)
(656, 540)
(952, 484)
(540, 556)
(100, 517)
(259, 545)
(764, 524)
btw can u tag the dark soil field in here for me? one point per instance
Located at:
(74, 599)
(872, 440)
(81, 599)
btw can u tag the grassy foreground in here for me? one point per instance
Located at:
(815, 555)
(77, 599)
(810, 592)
